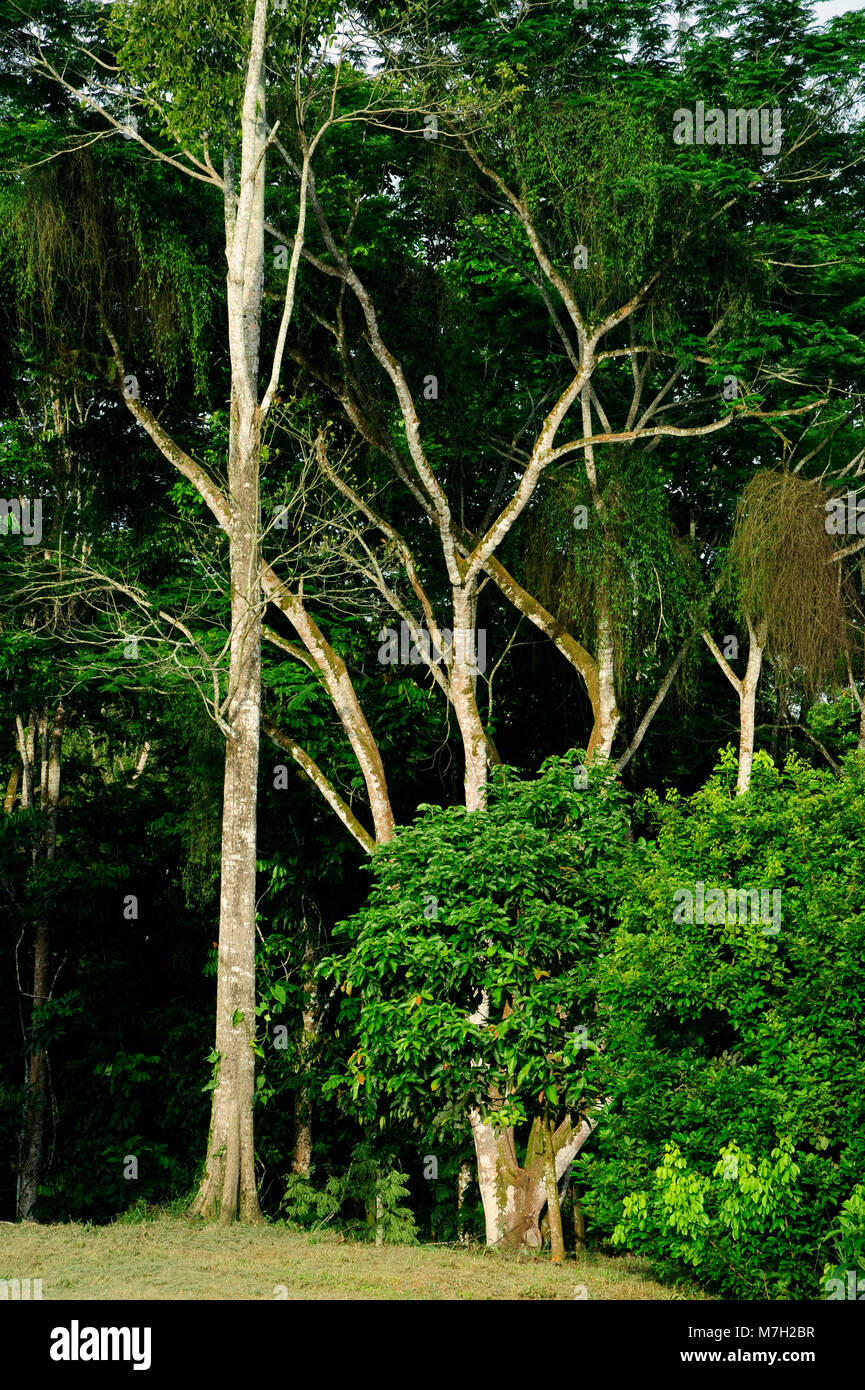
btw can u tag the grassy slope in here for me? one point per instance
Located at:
(169, 1257)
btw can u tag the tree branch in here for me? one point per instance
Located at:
(321, 782)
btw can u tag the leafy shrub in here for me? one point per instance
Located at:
(379, 1191)
(502, 911)
(720, 1033)
(733, 1229)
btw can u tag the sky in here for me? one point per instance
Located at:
(827, 8)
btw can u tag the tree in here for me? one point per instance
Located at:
(190, 119)
(653, 337)
(467, 982)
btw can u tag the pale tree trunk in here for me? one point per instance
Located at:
(228, 1187)
(746, 690)
(514, 1197)
(748, 704)
(496, 1168)
(606, 714)
(463, 692)
(36, 1073)
(11, 790)
(551, 1185)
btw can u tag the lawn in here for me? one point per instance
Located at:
(171, 1257)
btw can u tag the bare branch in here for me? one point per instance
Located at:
(321, 782)
(722, 662)
(660, 696)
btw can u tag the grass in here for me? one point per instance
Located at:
(173, 1257)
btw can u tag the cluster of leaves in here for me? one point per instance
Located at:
(630, 553)
(728, 1033)
(369, 1184)
(737, 1230)
(470, 971)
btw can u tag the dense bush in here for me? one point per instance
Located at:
(501, 910)
(733, 1039)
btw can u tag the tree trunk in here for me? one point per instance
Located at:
(228, 1187)
(748, 704)
(514, 1197)
(607, 716)
(33, 1130)
(579, 1224)
(551, 1184)
(301, 1154)
(11, 790)
(463, 687)
(36, 1066)
(496, 1170)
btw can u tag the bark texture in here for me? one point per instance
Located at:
(748, 704)
(746, 691)
(32, 1135)
(301, 1154)
(228, 1188)
(514, 1196)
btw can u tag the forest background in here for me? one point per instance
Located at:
(432, 624)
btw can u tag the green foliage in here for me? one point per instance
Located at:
(99, 234)
(631, 554)
(378, 1189)
(308, 1206)
(592, 165)
(471, 968)
(174, 279)
(834, 722)
(849, 1236)
(164, 51)
(733, 1229)
(730, 1032)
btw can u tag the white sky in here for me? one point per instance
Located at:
(826, 8)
